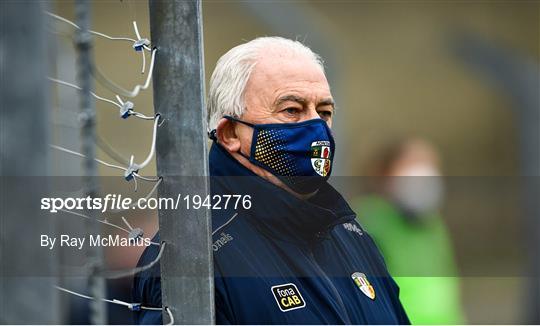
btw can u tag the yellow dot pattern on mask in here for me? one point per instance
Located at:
(271, 151)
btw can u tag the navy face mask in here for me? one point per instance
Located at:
(299, 154)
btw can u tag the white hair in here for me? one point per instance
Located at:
(229, 79)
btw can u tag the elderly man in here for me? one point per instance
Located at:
(297, 255)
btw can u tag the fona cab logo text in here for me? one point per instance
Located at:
(288, 297)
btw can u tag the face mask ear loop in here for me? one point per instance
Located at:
(231, 118)
(212, 133)
(244, 156)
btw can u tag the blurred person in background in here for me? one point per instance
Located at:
(401, 213)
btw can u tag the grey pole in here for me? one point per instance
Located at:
(187, 283)
(519, 77)
(27, 278)
(87, 117)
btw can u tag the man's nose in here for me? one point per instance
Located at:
(312, 114)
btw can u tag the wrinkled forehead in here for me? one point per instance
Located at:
(278, 70)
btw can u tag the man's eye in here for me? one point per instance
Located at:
(291, 110)
(325, 114)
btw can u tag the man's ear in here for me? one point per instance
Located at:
(226, 135)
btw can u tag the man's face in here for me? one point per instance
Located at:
(284, 88)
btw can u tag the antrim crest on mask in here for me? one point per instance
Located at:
(320, 157)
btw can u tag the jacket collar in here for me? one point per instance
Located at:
(275, 211)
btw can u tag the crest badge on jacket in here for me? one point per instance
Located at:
(363, 284)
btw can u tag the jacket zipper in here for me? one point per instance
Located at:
(332, 287)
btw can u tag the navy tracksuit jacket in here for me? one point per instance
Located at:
(285, 260)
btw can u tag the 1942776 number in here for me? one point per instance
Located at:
(218, 201)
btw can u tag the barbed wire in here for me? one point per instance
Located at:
(171, 317)
(110, 151)
(136, 167)
(138, 44)
(111, 275)
(93, 219)
(112, 86)
(61, 82)
(133, 233)
(65, 20)
(60, 148)
(126, 109)
(116, 274)
(130, 306)
(133, 168)
(114, 166)
(144, 45)
(131, 111)
(150, 193)
(68, 118)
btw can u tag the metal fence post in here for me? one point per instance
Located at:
(28, 276)
(182, 159)
(87, 116)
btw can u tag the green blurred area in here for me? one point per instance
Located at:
(419, 256)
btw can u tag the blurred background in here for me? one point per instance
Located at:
(459, 78)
